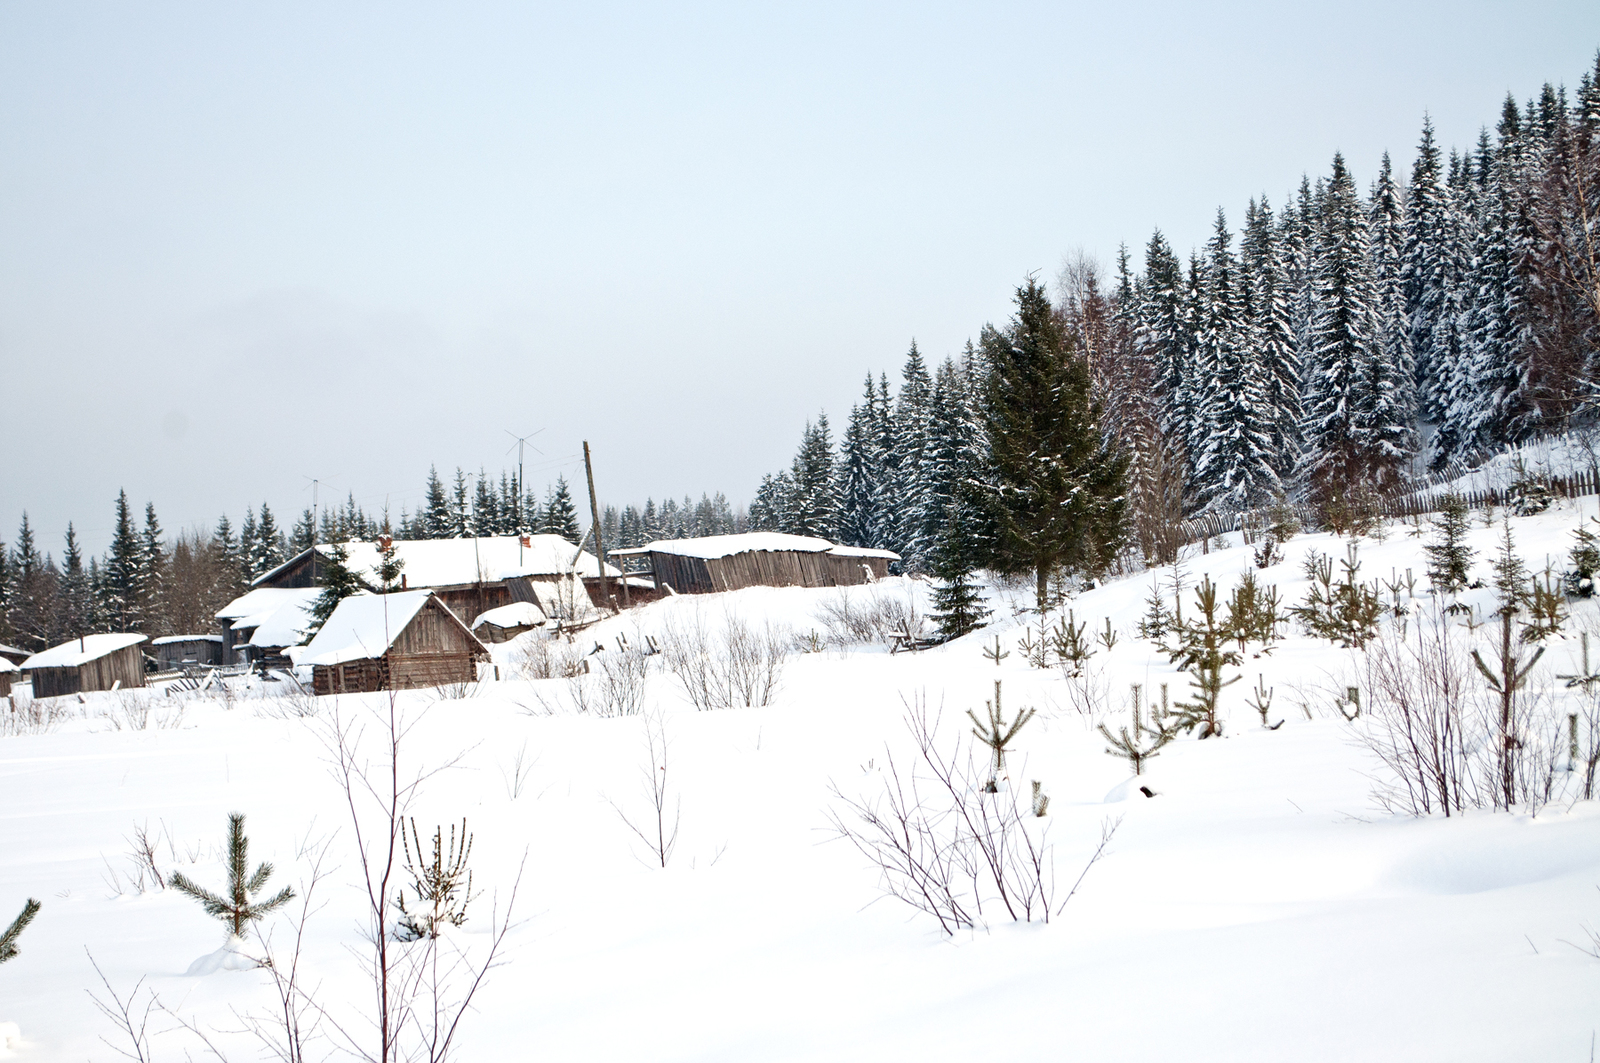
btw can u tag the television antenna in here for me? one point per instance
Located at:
(522, 488)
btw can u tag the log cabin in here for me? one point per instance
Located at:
(399, 641)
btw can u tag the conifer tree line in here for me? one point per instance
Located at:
(1331, 349)
(159, 584)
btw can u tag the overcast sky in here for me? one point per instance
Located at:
(242, 246)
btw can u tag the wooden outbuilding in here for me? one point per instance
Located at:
(93, 662)
(8, 675)
(758, 559)
(14, 655)
(397, 641)
(508, 621)
(179, 651)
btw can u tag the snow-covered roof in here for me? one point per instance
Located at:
(12, 649)
(278, 615)
(710, 547)
(7, 666)
(168, 640)
(863, 551)
(517, 614)
(81, 651)
(453, 562)
(364, 625)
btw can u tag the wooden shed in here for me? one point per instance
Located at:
(93, 662)
(14, 655)
(8, 675)
(758, 559)
(508, 621)
(178, 651)
(394, 641)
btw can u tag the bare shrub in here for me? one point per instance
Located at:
(945, 846)
(547, 658)
(742, 668)
(33, 717)
(864, 619)
(754, 662)
(612, 684)
(136, 710)
(1419, 720)
(659, 839)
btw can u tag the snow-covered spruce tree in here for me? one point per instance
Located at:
(1234, 470)
(434, 519)
(1058, 491)
(236, 909)
(1202, 651)
(389, 566)
(813, 508)
(120, 588)
(461, 526)
(1341, 460)
(561, 515)
(77, 594)
(8, 939)
(1269, 305)
(912, 416)
(859, 467)
(1450, 558)
(1387, 419)
(958, 604)
(1163, 336)
(267, 548)
(338, 583)
(1426, 273)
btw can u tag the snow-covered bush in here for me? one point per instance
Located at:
(947, 846)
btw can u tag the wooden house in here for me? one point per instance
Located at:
(470, 576)
(14, 655)
(93, 662)
(8, 675)
(180, 651)
(396, 641)
(758, 559)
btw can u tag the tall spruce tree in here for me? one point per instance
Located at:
(1058, 493)
(120, 588)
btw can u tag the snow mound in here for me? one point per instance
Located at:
(230, 957)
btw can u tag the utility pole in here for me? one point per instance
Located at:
(522, 441)
(594, 514)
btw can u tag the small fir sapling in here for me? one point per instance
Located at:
(389, 566)
(996, 654)
(1261, 701)
(1449, 557)
(997, 735)
(1070, 646)
(1202, 653)
(1547, 609)
(1580, 578)
(958, 604)
(236, 909)
(1157, 617)
(1347, 611)
(443, 887)
(1267, 552)
(1142, 742)
(8, 939)
(1507, 678)
(1529, 495)
(1107, 637)
(1041, 800)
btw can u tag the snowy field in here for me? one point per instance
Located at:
(1262, 906)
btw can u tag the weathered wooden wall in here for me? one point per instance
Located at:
(125, 665)
(199, 651)
(431, 650)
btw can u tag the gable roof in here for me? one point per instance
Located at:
(366, 625)
(455, 562)
(81, 651)
(7, 666)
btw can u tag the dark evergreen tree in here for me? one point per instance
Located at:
(435, 520)
(77, 596)
(561, 516)
(339, 582)
(958, 603)
(1450, 558)
(1058, 490)
(151, 579)
(120, 588)
(267, 546)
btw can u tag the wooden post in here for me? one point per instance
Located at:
(594, 512)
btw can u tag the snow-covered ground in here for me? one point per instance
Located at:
(1260, 907)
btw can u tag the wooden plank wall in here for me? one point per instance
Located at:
(54, 682)
(126, 665)
(430, 651)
